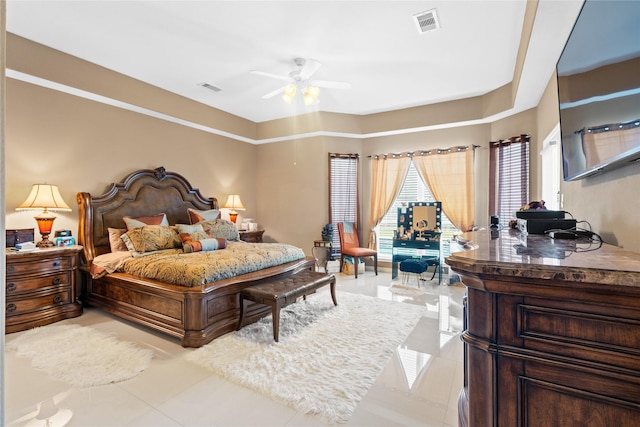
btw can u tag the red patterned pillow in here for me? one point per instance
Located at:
(141, 221)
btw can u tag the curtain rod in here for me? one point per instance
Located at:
(424, 152)
(512, 140)
(610, 127)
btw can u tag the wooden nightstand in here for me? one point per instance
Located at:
(251, 236)
(41, 287)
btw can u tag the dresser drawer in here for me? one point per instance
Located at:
(18, 285)
(39, 266)
(19, 306)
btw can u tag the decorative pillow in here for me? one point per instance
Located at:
(141, 221)
(194, 232)
(190, 245)
(221, 228)
(150, 238)
(116, 243)
(195, 216)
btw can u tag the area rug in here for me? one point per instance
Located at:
(80, 355)
(327, 356)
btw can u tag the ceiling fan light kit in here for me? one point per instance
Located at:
(289, 93)
(311, 95)
(300, 79)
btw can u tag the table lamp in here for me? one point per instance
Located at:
(47, 197)
(235, 204)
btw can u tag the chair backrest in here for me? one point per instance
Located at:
(348, 235)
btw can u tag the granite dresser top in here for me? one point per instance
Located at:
(535, 256)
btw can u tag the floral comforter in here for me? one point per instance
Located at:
(194, 269)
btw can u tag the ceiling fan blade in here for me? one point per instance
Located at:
(273, 93)
(274, 76)
(330, 84)
(309, 68)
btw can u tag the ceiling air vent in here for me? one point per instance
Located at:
(211, 87)
(427, 21)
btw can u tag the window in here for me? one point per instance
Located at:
(550, 168)
(343, 193)
(509, 177)
(413, 190)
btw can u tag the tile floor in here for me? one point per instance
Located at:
(419, 386)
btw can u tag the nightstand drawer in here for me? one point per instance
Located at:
(37, 282)
(44, 265)
(19, 306)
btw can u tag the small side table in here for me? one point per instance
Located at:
(322, 253)
(41, 287)
(251, 236)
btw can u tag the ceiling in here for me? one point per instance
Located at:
(374, 45)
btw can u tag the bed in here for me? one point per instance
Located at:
(194, 314)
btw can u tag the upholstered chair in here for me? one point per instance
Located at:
(350, 247)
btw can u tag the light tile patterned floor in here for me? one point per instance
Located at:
(419, 386)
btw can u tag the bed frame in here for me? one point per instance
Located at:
(195, 315)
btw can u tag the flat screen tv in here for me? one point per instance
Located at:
(599, 89)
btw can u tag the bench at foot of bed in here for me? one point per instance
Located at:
(282, 291)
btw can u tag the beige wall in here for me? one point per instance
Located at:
(292, 187)
(84, 145)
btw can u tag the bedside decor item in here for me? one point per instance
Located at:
(235, 204)
(65, 241)
(47, 197)
(19, 235)
(327, 232)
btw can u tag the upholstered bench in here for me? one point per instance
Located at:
(281, 291)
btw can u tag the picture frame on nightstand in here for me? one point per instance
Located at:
(65, 241)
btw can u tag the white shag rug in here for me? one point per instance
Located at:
(327, 356)
(80, 355)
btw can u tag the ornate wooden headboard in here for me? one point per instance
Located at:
(144, 192)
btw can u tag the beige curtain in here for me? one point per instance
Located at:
(449, 175)
(387, 176)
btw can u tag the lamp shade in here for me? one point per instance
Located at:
(44, 196)
(234, 203)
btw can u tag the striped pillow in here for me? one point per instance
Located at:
(209, 244)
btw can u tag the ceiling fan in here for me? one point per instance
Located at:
(300, 80)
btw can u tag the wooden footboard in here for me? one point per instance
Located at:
(194, 315)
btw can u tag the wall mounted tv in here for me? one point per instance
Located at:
(599, 89)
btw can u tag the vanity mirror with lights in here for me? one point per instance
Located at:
(417, 234)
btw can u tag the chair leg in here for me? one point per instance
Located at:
(436, 267)
(341, 262)
(356, 260)
(375, 263)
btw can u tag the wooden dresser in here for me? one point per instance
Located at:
(552, 332)
(41, 287)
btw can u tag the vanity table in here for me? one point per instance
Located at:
(418, 235)
(552, 331)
